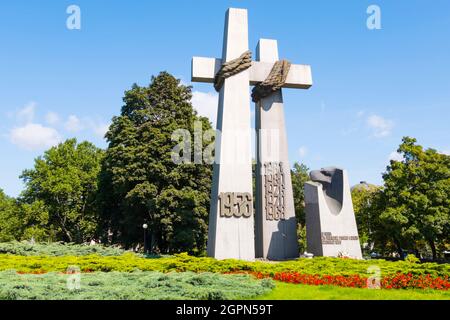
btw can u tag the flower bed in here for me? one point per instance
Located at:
(351, 273)
(397, 281)
(182, 262)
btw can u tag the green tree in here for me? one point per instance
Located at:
(60, 191)
(34, 220)
(415, 202)
(9, 221)
(299, 175)
(363, 197)
(22, 221)
(140, 183)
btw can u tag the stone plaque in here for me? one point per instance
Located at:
(329, 238)
(274, 186)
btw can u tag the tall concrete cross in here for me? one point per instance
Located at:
(276, 226)
(231, 219)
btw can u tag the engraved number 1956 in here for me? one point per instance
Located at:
(235, 204)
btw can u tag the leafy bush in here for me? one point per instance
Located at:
(131, 286)
(412, 258)
(57, 249)
(182, 262)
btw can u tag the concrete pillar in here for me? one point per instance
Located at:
(276, 227)
(231, 219)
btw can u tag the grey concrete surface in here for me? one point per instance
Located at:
(331, 228)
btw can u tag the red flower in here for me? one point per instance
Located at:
(396, 281)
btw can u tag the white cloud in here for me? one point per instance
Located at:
(34, 137)
(394, 155)
(30, 135)
(303, 151)
(100, 129)
(206, 104)
(380, 126)
(73, 124)
(183, 81)
(26, 114)
(52, 118)
(446, 152)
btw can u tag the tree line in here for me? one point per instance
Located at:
(410, 213)
(77, 192)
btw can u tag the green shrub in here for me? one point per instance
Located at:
(57, 249)
(412, 259)
(130, 262)
(132, 286)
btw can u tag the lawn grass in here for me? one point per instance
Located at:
(288, 291)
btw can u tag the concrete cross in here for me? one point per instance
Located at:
(276, 226)
(205, 69)
(231, 220)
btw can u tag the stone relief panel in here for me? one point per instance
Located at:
(236, 204)
(274, 191)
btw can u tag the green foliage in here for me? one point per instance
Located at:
(20, 220)
(57, 249)
(414, 204)
(301, 236)
(59, 198)
(131, 286)
(9, 220)
(141, 183)
(299, 175)
(363, 197)
(412, 259)
(183, 262)
(35, 222)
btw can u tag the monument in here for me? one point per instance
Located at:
(330, 220)
(231, 220)
(276, 226)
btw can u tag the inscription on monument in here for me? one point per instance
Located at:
(236, 204)
(328, 238)
(274, 188)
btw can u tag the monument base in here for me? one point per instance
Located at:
(330, 220)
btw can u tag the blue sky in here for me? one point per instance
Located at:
(371, 87)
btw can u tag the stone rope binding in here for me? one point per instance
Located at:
(274, 81)
(231, 68)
